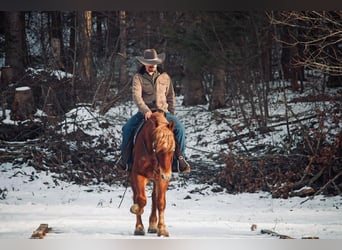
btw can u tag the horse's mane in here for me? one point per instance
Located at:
(163, 137)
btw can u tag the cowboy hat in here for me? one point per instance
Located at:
(151, 57)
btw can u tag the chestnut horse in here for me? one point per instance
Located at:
(152, 161)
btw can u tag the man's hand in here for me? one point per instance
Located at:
(148, 115)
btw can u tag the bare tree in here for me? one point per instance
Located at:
(318, 34)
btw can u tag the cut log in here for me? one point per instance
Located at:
(40, 232)
(23, 106)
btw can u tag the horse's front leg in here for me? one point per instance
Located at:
(161, 204)
(138, 184)
(152, 228)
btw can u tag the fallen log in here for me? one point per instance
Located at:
(40, 232)
(323, 188)
(281, 236)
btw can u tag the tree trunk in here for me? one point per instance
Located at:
(261, 81)
(100, 43)
(14, 44)
(112, 33)
(56, 40)
(295, 69)
(7, 76)
(6, 79)
(70, 53)
(290, 60)
(56, 54)
(193, 90)
(85, 56)
(217, 99)
(123, 47)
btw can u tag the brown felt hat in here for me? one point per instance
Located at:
(151, 57)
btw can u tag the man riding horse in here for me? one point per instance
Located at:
(153, 90)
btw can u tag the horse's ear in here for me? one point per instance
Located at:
(171, 125)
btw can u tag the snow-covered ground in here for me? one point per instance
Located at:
(194, 211)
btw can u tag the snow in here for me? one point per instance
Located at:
(194, 211)
(22, 88)
(59, 74)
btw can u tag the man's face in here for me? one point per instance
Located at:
(151, 68)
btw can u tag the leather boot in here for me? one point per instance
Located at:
(125, 161)
(122, 163)
(183, 165)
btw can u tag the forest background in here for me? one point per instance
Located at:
(222, 58)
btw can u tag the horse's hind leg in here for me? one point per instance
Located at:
(152, 228)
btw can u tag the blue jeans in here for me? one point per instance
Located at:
(132, 123)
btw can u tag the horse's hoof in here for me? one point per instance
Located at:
(163, 233)
(152, 230)
(135, 209)
(139, 231)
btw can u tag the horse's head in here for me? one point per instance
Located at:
(163, 144)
